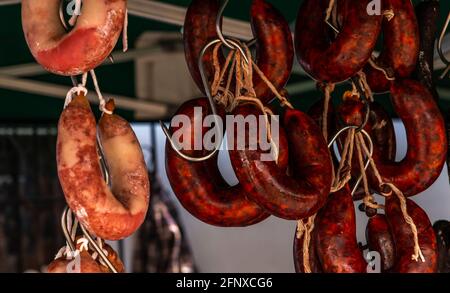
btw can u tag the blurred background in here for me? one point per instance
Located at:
(149, 82)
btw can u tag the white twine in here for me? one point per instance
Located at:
(99, 94)
(75, 90)
(81, 88)
(96, 256)
(83, 244)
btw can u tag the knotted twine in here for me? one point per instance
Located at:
(339, 178)
(401, 197)
(242, 73)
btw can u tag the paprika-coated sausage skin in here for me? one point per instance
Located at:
(379, 238)
(427, 13)
(275, 48)
(401, 45)
(404, 241)
(348, 53)
(288, 197)
(335, 235)
(201, 189)
(427, 142)
(109, 214)
(198, 30)
(85, 47)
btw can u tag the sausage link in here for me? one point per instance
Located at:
(289, 197)
(342, 58)
(109, 214)
(314, 262)
(427, 13)
(201, 189)
(85, 47)
(335, 235)
(198, 30)
(427, 141)
(401, 45)
(442, 230)
(275, 48)
(379, 238)
(404, 241)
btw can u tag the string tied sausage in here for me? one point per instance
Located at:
(85, 47)
(273, 42)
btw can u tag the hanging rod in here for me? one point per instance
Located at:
(157, 110)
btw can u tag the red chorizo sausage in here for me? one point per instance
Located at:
(314, 262)
(427, 142)
(401, 45)
(379, 126)
(198, 30)
(427, 13)
(379, 238)
(289, 197)
(85, 47)
(342, 58)
(275, 49)
(109, 214)
(404, 240)
(335, 235)
(201, 189)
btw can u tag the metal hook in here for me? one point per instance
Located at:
(98, 250)
(336, 136)
(218, 25)
(212, 105)
(67, 235)
(439, 47)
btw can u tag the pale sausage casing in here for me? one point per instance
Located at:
(110, 214)
(85, 47)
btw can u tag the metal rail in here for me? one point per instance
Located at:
(157, 110)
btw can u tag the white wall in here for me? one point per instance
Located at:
(267, 247)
